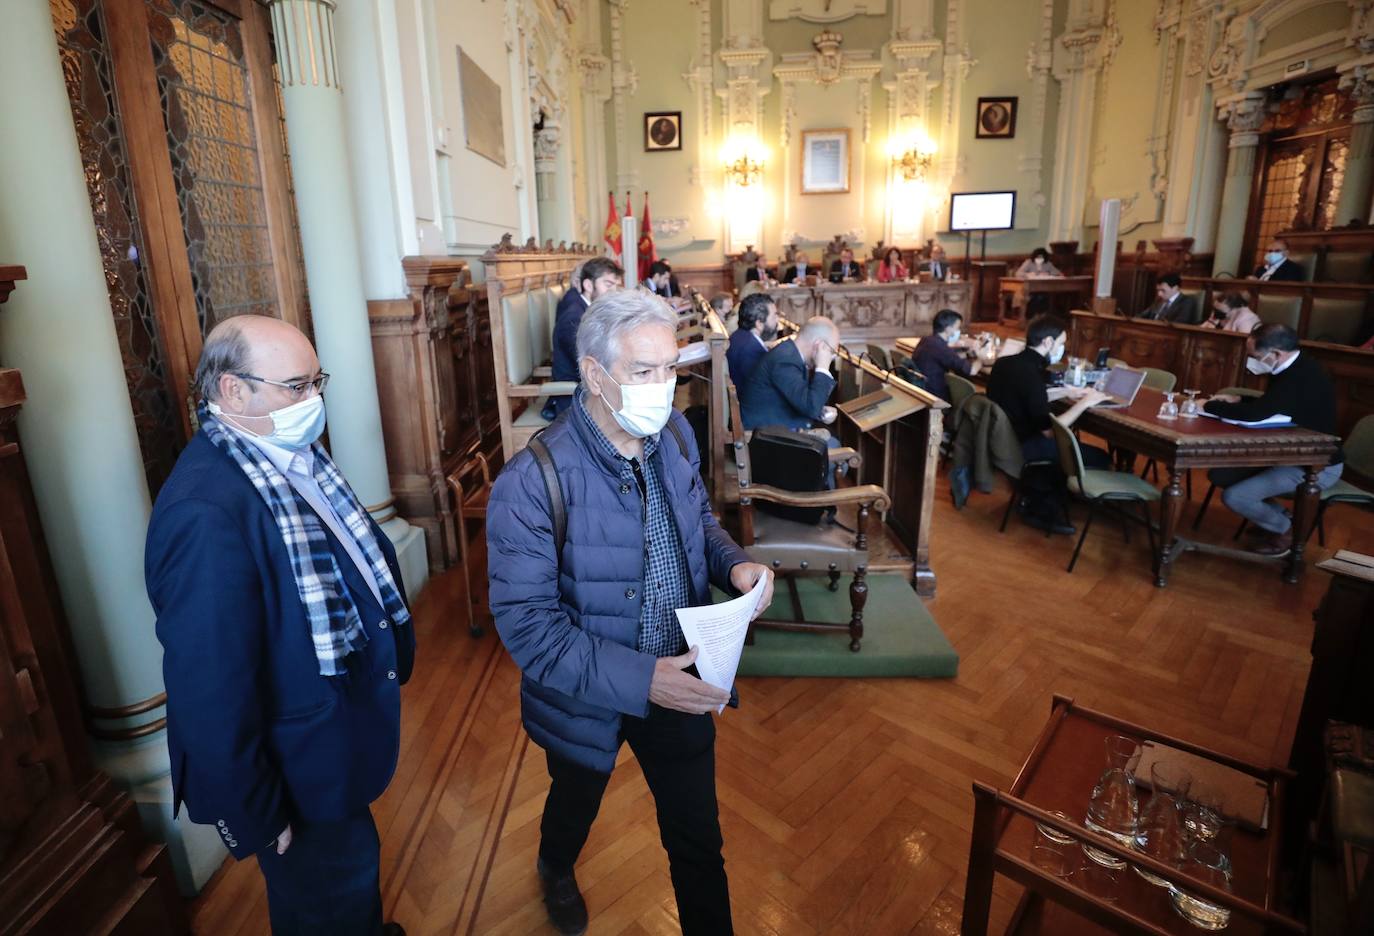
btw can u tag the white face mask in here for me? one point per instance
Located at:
(1258, 366)
(1039, 261)
(1274, 257)
(1056, 353)
(644, 408)
(294, 427)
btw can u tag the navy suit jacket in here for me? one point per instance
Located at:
(743, 356)
(257, 737)
(1288, 272)
(783, 391)
(567, 318)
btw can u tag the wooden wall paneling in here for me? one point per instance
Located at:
(1352, 371)
(150, 167)
(267, 131)
(73, 858)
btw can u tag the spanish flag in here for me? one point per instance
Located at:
(613, 245)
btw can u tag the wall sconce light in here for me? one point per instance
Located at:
(744, 171)
(914, 163)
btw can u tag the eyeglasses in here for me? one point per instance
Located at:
(296, 389)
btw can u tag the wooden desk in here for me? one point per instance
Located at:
(1203, 442)
(872, 311)
(1058, 776)
(1016, 291)
(900, 454)
(1207, 360)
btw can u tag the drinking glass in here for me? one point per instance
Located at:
(1114, 808)
(1203, 819)
(1168, 409)
(1190, 408)
(1161, 833)
(1211, 864)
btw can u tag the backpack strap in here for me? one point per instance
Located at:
(677, 435)
(558, 511)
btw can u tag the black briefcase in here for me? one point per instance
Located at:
(793, 461)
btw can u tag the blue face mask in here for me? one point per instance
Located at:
(294, 427)
(1274, 257)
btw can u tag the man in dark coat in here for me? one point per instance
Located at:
(1277, 268)
(285, 633)
(758, 325)
(792, 383)
(591, 281)
(593, 628)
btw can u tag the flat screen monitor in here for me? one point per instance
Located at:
(982, 211)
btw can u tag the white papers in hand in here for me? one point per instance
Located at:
(718, 631)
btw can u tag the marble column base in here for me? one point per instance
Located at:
(411, 553)
(143, 769)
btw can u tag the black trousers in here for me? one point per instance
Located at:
(677, 753)
(1044, 488)
(327, 882)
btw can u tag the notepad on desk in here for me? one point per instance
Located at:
(1277, 421)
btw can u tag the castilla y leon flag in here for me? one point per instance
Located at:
(613, 227)
(647, 253)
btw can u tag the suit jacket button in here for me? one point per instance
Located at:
(382, 624)
(624, 489)
(391, 674)
(629, 593)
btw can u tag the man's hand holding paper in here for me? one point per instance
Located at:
(716, 632)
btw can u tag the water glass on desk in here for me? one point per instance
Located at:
(1168, 409)
(1190, 408)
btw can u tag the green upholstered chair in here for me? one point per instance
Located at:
(1157, 379)
(960, 389)
(1103, 488)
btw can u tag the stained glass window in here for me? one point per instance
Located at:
(89, 76)
(1282, 198)
(203, 83)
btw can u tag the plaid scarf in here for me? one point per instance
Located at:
(335, 625)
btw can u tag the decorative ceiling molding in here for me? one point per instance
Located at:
(825, 11)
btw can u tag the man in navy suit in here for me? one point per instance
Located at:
(758, 325)
(1277, 268)
(591, 281)
(285, 632)
(790, 385)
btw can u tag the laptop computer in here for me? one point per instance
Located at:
(1121, 387)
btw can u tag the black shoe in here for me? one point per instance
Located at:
(959, 486)
(393, 929)
(1049, 526)
(567, 910)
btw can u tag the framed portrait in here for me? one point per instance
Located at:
(662, 131)
(996, 118)
(825, 162)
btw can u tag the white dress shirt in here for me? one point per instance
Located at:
(298, 468)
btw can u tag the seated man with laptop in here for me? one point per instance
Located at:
(1018, 385)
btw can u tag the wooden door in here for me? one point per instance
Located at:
(179, 121)
(1301, 168)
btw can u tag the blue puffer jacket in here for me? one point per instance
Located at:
(572, 629)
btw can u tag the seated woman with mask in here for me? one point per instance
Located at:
(1232, 312)
(1038, 264)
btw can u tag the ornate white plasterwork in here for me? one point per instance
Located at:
(957, 65)
(671, 227)
(624, 84)
(824, 11)
(1039, 64)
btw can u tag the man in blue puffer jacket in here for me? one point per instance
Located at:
(593, 629)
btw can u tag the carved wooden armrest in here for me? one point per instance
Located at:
(845, 454)
(866, 495)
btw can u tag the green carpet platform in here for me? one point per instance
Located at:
(900, 636)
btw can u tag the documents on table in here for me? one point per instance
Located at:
(1277, 421)
(718, 631)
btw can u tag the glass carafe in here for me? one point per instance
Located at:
(1161, 833)
(1168, 409)
(1114, 808)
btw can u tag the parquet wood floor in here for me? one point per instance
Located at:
(845, 803)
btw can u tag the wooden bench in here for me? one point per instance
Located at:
(1336, 313)
(524, 286)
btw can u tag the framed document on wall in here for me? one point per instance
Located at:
(825, 162)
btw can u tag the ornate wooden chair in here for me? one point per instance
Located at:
(795, 549)
(470, 483)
